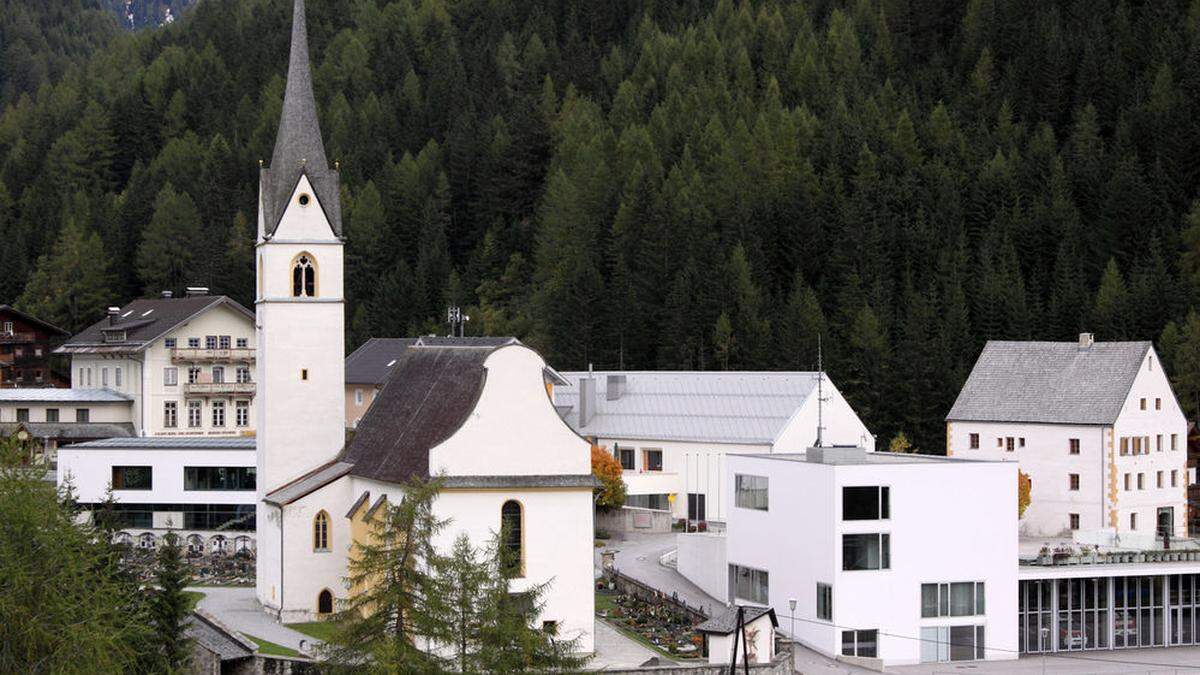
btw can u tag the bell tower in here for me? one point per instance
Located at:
(300, 308)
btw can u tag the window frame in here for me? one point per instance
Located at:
(824, 606)
(512, 533)
(320, 532)
(757, 580)
(121, 470)
(170, 414)
(170, 376)
(883, 508)
(883, 550)
(752, 497)
(944, 599)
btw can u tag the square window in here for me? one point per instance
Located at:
(653, 460)
(866, 551)
(210, 341)
(242, 343)
(22, 414)
(626, 457)
(83, 415)
(224, 342)
(865, 502)
(51, 414)
(169, 343)
(194, 343)
(751, 492)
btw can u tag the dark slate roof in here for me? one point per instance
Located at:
(428, 395)
(371, 362)
(217, 638)
(76, 431)
(1049, 382)
(299, 149)
(29, 318)
(726, 623)
(481, 341)
(144, 321)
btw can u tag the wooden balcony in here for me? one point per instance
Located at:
(201, 355)
(17, 338)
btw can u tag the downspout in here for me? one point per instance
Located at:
(280, 616)
(1107, 469)
(141, 361)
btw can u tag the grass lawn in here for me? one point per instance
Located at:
(321, 630)
(270, 648)
(194, 598)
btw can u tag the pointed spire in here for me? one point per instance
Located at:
(298, 145)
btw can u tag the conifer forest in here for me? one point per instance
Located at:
(642, 184)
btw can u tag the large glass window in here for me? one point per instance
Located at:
(865, 503)
(238, 517)
(626, 457)
(750, 492)
(697, 506)
(860, 643)
(954, 599)
(132, 478)
(866, 551)
(824, 601)
(658, 502)
(749, 584)
(654, 460)
(218, 478)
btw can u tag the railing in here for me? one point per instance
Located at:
(1111, 558)
(218, 388)
(17, 338)
(194, 354)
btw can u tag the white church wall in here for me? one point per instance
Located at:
(491, 442)
(306, 571)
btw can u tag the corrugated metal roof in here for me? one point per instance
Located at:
(1049, 382)
(51, 395)
(714, 407)
(170, 443)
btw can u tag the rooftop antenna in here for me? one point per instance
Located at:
(458, 321)
(820, 394)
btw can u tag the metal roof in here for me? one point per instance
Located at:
(53, 395)
(70, 430)
(714, 407)
(1049, 382)
(171, 443)
(145, 320)
(299, 149)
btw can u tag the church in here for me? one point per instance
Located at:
(480, 417)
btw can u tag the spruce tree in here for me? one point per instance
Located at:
(169, 606)
(167, 255)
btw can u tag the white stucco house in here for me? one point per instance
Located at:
(185, 365)
(673, 431)
(1096, 427)
(874, 547)
(478, 417)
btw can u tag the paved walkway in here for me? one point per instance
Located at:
(637, 557)
(614, 650)
(236, 607)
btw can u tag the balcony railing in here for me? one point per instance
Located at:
(197, 354)
(218, 388)
(17, 338)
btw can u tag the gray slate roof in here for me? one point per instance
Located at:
(217, 638)
(145, 320)
(714, 407)
(1049, 382)
(299, 149)
(70, 430)
(726, 623)
(171, 443)
(373, 360)
(58, 395)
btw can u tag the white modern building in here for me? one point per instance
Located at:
(674, 431)
(186, 365)
(194, 486)
(890, 558)
(1096, 427)
(477, 417)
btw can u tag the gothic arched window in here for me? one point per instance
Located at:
(512, 531)
(325, 602)
(321, 532)
(304, 277)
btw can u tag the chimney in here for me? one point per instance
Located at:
(167, 294)
(193, 291)
(615, 387)
(1085, 341)
(587, 400)
(113, 312)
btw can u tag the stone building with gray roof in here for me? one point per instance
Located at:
(1095, 426)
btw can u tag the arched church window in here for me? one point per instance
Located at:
(304, 277)
(512, 533)
(321, 532)
(325, 602)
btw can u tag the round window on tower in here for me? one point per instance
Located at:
(304, 199)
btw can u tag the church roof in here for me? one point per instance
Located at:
(299, 149)
(428, 395)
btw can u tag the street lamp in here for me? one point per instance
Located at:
(792, 613)
(1045, 632)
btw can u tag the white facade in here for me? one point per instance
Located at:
(948, 522)
(675, 451)
(1120, 477)
(198, 379)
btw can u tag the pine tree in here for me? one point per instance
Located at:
(70, 286)
(1112, 305)
(169, 606)
(466, 577)
(166, 256)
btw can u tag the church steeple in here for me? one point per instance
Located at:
(298, 145)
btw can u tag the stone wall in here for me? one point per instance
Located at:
(634, 519)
